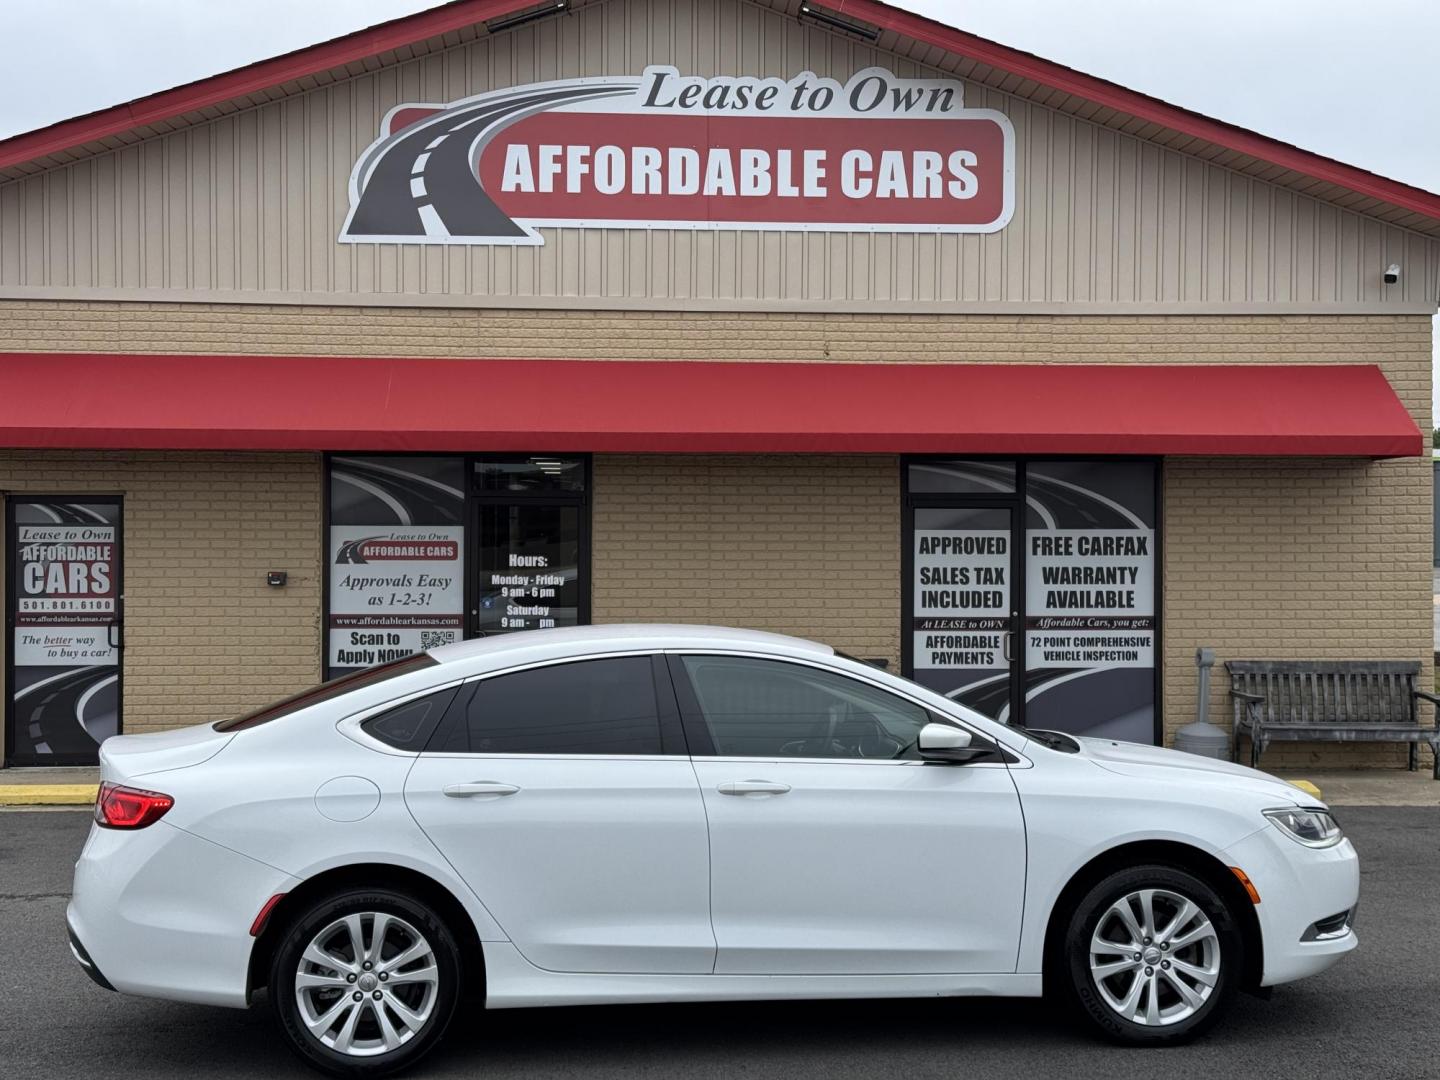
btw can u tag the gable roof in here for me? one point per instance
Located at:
(924, 40)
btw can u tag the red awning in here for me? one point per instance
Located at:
(86, 401)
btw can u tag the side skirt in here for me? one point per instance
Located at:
(512, 982)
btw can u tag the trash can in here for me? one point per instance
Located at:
(1202, 737)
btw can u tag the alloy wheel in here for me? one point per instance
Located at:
(367, 984)
(1155, 957)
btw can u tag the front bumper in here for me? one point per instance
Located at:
(1304, 892)
(162, 913)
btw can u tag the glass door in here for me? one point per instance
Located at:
(962, 608)
(531, 568)
(1080, 540)
(64, 610)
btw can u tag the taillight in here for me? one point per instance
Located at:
(119, 807)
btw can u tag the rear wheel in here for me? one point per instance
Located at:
(1153, 955)
(365, 982)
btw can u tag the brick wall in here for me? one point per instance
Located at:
(1295, 559)
(1263, 557)
(205, 637)
(1394, 341)
(798, 545)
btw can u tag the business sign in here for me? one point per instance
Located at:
(961, 603)
(393, 592)
(1090, 598)
(1086, 582)
(878, 153)
(396, 557)
(64, 602)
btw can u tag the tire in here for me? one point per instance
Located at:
(1194, 967)
(405, 1005)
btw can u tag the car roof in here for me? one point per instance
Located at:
(503, 650)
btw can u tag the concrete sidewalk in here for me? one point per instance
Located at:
(1339, 787)
(1371, 787)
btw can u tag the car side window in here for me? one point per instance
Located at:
(409, 726)
(771, 708)
(605, 706)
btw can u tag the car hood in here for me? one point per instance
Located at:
(1175, 766)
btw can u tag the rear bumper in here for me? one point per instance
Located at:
(77, 950)
(1303, 892)
(162, 913)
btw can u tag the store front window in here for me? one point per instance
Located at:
(1031, 590)
(64, 608)
(423, 551)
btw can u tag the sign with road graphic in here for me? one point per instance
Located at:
(393, 591)
(1072, 640)
(64, 610)
(396, 559)
(1090, 610)
(878, 153)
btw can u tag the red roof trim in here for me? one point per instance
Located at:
(397, 33)
(289, 403)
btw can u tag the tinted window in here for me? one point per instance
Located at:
(768, 708)
(542, 473)
(328, 690)
(409, 726)
(962, 477)
(589, 707)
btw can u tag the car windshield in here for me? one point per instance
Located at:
(327, 690)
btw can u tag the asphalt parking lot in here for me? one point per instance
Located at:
(1374, 1016)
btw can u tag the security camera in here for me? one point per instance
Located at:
(1392, 273)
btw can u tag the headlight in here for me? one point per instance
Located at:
(1313, 828)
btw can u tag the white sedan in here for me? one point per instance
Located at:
(655, 814)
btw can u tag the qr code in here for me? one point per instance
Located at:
(433, 639)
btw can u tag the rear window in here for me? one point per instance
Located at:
(325, 691)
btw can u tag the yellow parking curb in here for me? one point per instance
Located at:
(47, 794)
(1306, 786)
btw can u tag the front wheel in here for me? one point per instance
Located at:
(1153, 955)
(365, 982)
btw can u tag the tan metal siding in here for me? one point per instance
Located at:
(252, 201)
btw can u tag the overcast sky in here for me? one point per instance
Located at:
(1356, 81)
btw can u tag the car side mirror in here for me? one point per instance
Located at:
(943, 742)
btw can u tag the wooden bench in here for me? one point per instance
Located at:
(1330, 701)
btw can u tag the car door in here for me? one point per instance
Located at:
(834, 849)
(563, 795)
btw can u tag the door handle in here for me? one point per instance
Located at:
(479, 787)
(115, 631)
(753, 787)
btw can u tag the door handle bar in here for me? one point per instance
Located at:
(753, 787)
(479, 787)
